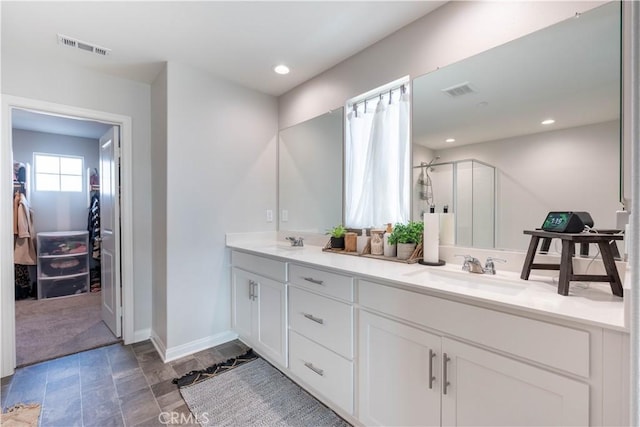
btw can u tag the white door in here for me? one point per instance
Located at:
(487, 389)
(110, 231)
(242, 297)
(399, 377)
(272, 327)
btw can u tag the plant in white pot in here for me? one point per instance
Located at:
(406, 236)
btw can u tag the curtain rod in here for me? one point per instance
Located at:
(379, 95)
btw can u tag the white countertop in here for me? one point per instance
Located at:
(593, 304)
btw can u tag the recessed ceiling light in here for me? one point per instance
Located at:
(548, 122)
(450, 140)
(281, 69)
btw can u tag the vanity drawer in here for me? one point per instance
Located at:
(332, 284)
(325, 371)
(323, 320)
(263, 266)
(563, 347)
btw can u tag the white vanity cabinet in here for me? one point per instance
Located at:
(411, 376)
(259, 305)
(321, 332)
(380, 350)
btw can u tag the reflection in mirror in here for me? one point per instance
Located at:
(310, 174)
(466, 187)
(490, 108)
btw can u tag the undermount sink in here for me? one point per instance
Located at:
(490, 283)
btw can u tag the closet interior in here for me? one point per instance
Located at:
(56, 236)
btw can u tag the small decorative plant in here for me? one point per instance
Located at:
(406, 236)
(337, 236)
(337, 231)
(407, 233)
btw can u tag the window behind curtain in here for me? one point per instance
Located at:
(55, 172)
(377, 157)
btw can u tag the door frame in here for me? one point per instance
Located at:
(7, 290)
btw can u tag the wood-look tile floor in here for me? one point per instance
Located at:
(118, 385)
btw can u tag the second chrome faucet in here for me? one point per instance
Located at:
(473, 265)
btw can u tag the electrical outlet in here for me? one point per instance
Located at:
(285, 215)
(269, 215)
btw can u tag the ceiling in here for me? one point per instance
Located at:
(48, 123)
(236, 40)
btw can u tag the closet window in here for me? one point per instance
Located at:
(58, 172)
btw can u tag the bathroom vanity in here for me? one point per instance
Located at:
(385, 343)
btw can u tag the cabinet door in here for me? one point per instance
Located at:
(271, 315)
(394, 384)
(489, 389)
(242, 318)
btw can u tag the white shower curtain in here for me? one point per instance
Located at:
(377, 168)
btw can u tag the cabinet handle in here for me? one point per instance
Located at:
(432, 356)
(314, 369)
(253, 286)
(312, 317)
(445, 381)
(312, 280)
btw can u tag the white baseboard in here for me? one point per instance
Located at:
(174, 353)
(159, 345)
(142, 335)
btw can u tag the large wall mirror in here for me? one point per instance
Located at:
(310, 164)
(480, 143)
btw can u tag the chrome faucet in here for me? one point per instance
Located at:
(489, 266)
(473, 265)
(295, 241)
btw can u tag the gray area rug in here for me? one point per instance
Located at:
(256, 394)
(54, 327)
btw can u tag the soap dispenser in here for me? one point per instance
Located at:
(389, 250)
(363, 239)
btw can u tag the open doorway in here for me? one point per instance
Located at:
(66, 202)
(124, 311)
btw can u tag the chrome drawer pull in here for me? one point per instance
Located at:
(312, 317)
(314, 369)
(445, 380)
(312, 280)
(432, 378)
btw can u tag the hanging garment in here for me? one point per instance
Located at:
(93, 226)
(24, 247)
(22, 282)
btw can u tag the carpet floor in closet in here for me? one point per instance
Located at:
(50, 328)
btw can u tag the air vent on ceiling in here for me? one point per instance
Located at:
(88, 47)
(459, 90)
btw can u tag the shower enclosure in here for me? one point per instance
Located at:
(465, 188)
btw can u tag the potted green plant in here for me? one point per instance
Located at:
(337, 236)
(406, 236)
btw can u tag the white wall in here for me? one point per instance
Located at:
(571, 169)
(454, 31)
(221, 177)
(79, 87)
(57, 211)
(159, 204)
